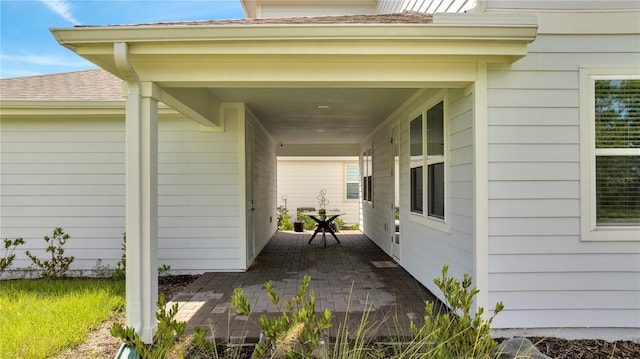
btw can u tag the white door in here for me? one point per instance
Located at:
(395, 193)
(251, 243)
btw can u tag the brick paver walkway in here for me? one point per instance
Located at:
(345, 278)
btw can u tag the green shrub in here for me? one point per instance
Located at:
(120, 272)
(58, 265)
(8, 255)
(168, 332)
(285, 223)
(282, 211)
(164, 269)
(309, 223)
(447, 335)
(294, 334)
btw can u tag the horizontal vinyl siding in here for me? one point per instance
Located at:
(198, 197)
(561, 5)
(70, 174)
(265, 171)
(377, 220)
(538, 266)
(67, 174)
(423, 248)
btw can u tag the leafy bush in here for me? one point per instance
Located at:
(120, 272)
(58, 265)
(282, 210)
(164, 269)
(169, 330)
(447, 335)
(8, 256)
(297, 332)
(309, 223)
(285, 223)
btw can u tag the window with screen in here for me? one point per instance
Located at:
(367, 175)
(416, 164)
(352, 183)
(427, 162)
(435, 161)
(610, 132)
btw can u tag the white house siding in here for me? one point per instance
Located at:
(63, 173)
(425, 249)
(70, 173)
(198, 200)
(265, 169)
(538, 266)
(562, 4)
(300, 179)
(376, 215)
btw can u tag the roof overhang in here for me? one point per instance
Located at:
(201, 64)
(494, 37)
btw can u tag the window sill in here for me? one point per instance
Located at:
(613, 234)
(432, 222)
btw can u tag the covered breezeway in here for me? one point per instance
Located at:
(347, 278)
(284, 77)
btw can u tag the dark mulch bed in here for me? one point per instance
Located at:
(587, 348)
(174, 284)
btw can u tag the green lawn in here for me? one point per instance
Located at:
(40, 318)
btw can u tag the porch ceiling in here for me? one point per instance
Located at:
(318, 115)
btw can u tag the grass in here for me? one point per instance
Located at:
(40, 318)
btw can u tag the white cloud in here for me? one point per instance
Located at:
(62, 8)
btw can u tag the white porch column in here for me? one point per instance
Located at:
(142, 207)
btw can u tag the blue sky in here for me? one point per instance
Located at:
(28, 48)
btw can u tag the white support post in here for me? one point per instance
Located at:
(481, 191)
(142, 207)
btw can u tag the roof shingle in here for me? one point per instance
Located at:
(90, 85)
(406, 17)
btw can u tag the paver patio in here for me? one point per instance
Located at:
(346, 278)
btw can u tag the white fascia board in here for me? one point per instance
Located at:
(57, 109)
(75, 37)
(53, 108)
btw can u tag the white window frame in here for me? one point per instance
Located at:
(441, 224)
(346, 182)
(417, 162)
(590, 231)
(367, 172)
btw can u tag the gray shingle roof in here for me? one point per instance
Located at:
(90, 85)
(407, 17)
(99, 85)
